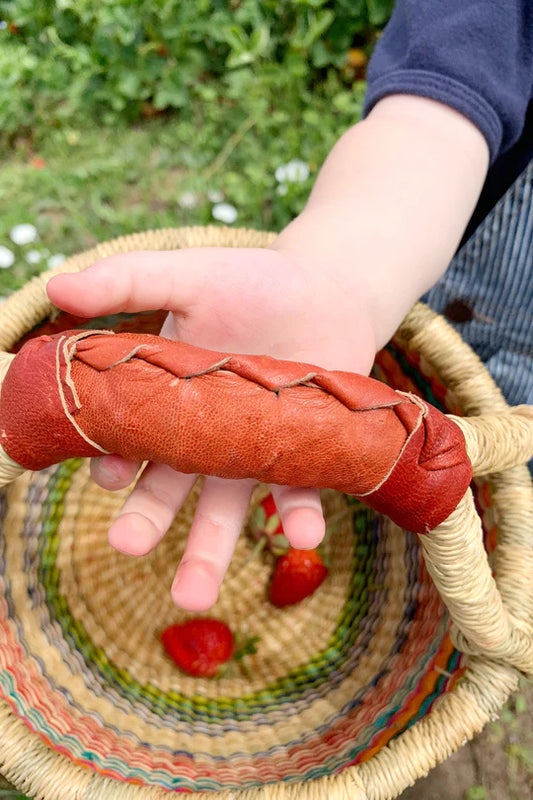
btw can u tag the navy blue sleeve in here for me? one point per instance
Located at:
(475, 56)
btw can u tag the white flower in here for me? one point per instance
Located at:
(224, 212)
(3, 24)
(281, 173)
(188, 200)
(215, 196)
(23, 234)
(55, 261)
(296, 171)
(7, 258)
(33, 256)
(282, 189)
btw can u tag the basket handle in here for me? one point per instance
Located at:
(148, 398)
(91, 392)
(496, 442)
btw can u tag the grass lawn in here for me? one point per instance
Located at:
(78, 187)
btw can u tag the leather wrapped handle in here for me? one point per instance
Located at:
(148, 398)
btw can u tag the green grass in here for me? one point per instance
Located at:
(98, 183)
(476, 793)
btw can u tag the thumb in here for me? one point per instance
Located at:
(140, 281)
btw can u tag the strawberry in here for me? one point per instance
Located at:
(199, 646)
(267, 528)
(202, 646)
(297, 574)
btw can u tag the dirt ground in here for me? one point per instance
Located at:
(478, 764)
(496, 765)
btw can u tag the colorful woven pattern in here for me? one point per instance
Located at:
(333, 680)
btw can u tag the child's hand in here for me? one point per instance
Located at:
(252, 301)
(383, 221)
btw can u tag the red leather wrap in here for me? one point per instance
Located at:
(234, 416)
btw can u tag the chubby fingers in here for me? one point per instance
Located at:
(171, 280)
(220, 514)
(301, 515)
(150, 509)
(138, 281)
(217, 523)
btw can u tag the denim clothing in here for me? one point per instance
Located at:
(493, 275)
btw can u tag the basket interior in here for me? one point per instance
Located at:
(334, 679)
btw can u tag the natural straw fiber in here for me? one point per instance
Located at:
(353, 694)
(485, 434)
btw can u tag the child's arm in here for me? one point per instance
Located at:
(391, 203)
(382, 223)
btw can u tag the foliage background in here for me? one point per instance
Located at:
(124, 59)
(113, 110)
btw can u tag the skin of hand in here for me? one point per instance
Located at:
(381, 225)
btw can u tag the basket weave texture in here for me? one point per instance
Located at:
(354, 693)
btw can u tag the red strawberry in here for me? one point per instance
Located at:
(297, 574)
(203, 646)
(199, 646)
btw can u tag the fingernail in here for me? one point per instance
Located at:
(133, 535)
(308, 531)
(194, 588)
(112, 473)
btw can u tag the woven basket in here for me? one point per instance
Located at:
(403, 654)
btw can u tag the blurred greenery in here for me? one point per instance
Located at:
(126, 59)
(91, 184)
(128, 114)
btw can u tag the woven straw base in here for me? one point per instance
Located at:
(89, 621)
